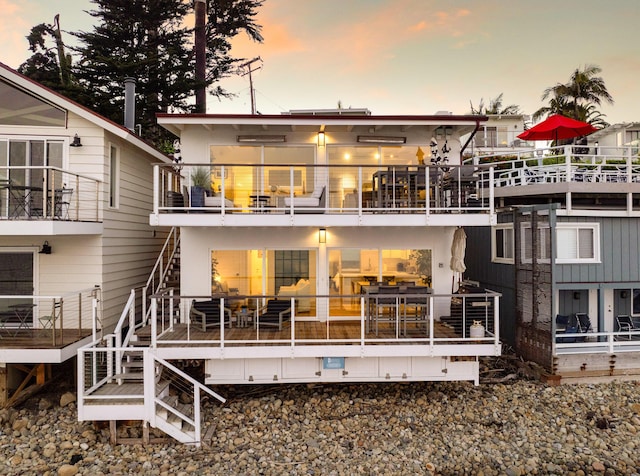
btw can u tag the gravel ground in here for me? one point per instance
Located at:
(515, 428)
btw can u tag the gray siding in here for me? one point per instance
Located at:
(619, 255)
(494, 276)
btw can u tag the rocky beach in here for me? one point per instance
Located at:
(515, 428)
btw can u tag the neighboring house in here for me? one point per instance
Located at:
(565, 256)
(75, 196)
(499, 135)
(312, 247)
(611, 139)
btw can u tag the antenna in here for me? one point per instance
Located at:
(249, 71)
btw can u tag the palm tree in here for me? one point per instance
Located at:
(578, 98)
(495, 107)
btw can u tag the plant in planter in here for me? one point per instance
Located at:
(200, 186)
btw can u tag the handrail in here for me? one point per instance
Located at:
(173, 238)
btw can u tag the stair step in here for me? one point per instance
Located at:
(129, 376)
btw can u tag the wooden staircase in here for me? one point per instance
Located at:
(121, 378)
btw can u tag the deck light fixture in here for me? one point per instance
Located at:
(576, 295)
(322, 235)
(46, 249)
(321, 139)
(382, 139)
(624, 294)
(261, 138)
(76, 141)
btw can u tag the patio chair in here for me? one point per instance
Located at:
(416, 305)
(386, 302)
(207, 313)
(625, 323)
(274, 314)
(566, 324)
(48, 321)
(584, 323)
(62, 200)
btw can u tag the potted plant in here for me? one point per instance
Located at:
(200, 186)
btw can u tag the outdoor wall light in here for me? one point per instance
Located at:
(576, 295)
(321, 138)
(322, 235)
(76, 141)
(624, 294)
(46, 249)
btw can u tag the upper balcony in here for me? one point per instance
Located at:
(48, 201)
(305, 195)
(580, 179)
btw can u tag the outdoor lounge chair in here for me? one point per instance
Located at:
(314, 203)
(275, 313)
(566, 324)
(207, 313)
(625, 323)
(584, 323)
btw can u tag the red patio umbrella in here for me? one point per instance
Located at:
(557, 127)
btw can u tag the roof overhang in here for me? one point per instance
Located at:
(361, 124)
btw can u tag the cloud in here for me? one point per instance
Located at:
(13, 32)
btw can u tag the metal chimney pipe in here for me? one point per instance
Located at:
(130, 104)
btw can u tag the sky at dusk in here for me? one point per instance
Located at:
(405, 56)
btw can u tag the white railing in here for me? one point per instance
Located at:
(562, 164)
(320, 189)
(160, 270)
(99, 374)
(391, 328)
(30, 192)
(63, 315)
(597, 342)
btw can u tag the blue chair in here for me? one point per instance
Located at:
(275, 313)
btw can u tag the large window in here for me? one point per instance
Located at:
(578, 243)
(262, 272)
(16, 279)
(264, 170)
(23, 109)
(502, 243)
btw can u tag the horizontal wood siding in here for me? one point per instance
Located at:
(619, 243)
(130, 245)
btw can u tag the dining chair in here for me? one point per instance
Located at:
(386, 303)
(416, 305)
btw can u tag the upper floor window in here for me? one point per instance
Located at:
(502, 243)
(578, 243)
(114, 177)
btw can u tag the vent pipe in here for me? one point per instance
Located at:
(130, 103)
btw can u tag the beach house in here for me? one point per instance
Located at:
(75, 196)
(312, 246)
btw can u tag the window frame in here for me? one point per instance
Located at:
(114, 177)
(511, 244)
(543, 235)
(595, 227)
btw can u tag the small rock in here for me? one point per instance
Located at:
(67, 398)
(598, 466)
(67, 470)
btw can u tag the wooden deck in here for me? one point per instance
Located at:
(40, 338)
(338, 332)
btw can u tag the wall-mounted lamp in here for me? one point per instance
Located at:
(321, 138)
(46, 249)
(322, 235)
(624, 294)
(76, 141)
(576, 295)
